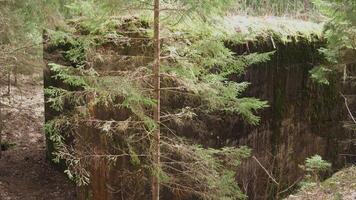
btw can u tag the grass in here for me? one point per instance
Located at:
(285, 29)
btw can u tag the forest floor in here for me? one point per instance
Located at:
(25, 173)
(341, 186)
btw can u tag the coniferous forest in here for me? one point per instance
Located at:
(177, 99)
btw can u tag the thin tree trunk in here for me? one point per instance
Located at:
(156, 109)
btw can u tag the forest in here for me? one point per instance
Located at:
(177, 99)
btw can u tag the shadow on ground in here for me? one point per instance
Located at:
(25, 174)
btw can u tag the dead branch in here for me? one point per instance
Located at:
(348, 109)
(270, 176)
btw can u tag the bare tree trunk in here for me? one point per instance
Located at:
(156, 109)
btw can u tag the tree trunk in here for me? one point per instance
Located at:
(156, 109)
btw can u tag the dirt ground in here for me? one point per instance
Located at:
(25, 173)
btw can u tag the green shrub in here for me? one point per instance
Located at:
(313, 166)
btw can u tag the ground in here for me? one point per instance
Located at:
(341, 186)
(25, 173)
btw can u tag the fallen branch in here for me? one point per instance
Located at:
(271, 177)
(287, 189)
(348, 109)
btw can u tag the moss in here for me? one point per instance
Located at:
(285, 30)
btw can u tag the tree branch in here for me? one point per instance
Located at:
(348, 109)
(274, 180)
